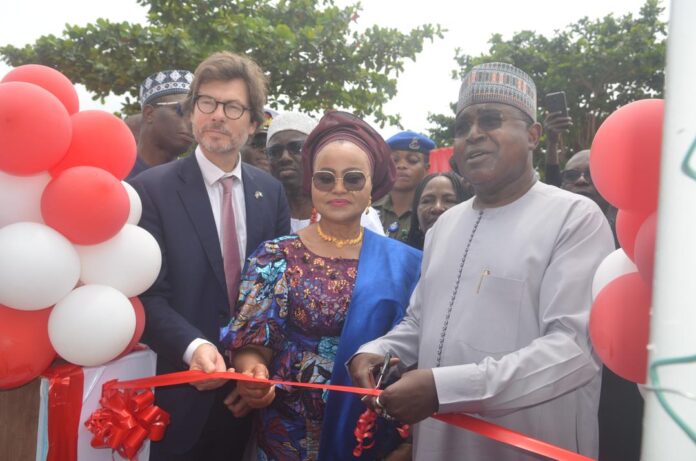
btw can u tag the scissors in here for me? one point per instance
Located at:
(384, 371)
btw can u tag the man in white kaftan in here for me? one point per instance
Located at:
(497, 325)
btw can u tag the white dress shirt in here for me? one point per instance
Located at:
(211, 178)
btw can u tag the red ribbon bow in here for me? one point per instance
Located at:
(365, 431)
(126, 419)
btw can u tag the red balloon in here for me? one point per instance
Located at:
(620, 326)
(25, 350)
(645, 248)
(625, 156)
(99, 139)
(86, 204)
(50, 80)
(139, 326)
(35, 129)
(627, 225)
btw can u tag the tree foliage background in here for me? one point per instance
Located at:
(313, 57)
(601, 64)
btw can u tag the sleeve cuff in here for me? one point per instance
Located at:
(459, 388)
(188, 353)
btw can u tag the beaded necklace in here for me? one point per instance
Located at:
(443, 333)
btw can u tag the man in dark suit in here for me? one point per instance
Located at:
(208, 211)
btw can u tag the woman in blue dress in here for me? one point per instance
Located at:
(310, 299)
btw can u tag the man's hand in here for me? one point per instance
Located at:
(403, 452)
(361, 369)
(412, 398)
(362, 372)
(207, 358)
(256, 395)
(555, 124)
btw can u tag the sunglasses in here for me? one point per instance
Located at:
(276, 151)
(574, 175)
(325, 181)
(486, 121)
(176, 105)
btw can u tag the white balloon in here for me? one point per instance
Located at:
(20, 197)
(136, 206)
(91, 325)
(38, 266)
(129, 262)
(616, 264)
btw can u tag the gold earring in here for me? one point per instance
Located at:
(369, 203)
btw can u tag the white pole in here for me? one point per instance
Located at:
(673, 324)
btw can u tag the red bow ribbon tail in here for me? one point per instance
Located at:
(364, 432)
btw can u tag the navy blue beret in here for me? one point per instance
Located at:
(410, 140)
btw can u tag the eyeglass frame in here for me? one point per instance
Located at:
(285, 147)
(196, 102)
(336, 178)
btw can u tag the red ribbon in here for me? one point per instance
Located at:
(463, 421)
(126, 419)
(510, 437)
(188, 377)
(65, 387)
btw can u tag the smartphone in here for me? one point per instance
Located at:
(556, 102)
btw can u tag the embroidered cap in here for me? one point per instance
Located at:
(164, 83)
(295, 121)
(498, 82)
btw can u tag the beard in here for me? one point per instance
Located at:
(224, 141)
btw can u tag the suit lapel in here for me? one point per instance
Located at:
(254, 211)
(195, 198)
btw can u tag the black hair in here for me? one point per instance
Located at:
(416, 236)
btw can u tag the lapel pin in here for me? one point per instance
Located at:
(258, 194)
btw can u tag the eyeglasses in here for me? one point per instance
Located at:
(208, 105)
(574, 175)
(177, 106)
(486, 121)
(276, 150)
(325, 181)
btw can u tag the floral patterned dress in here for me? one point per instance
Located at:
(295, 303)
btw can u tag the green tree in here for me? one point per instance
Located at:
(312, 54)
(601, 64)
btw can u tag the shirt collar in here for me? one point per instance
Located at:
(211, 172)
(385, 203)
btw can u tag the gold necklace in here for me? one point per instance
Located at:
(340, 243)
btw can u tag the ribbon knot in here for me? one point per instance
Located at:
(126, 419)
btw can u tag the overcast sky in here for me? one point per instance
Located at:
(424, 87)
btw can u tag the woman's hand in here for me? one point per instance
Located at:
(247, 396)
(256, 395)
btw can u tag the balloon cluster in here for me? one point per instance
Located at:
(625, 165)
(72, 260)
